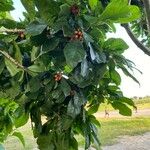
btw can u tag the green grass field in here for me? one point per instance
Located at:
(111, 129)
(141, 104)
(13, 143)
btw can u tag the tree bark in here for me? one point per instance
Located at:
(12, 30)
(146, 50)
(147, 12)
(13, 60)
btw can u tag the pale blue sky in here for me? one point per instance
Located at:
(17, 13)
(142, 61)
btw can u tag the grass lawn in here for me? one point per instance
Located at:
(113, 128)
(110, 130)
(141, 104)
(13, 143)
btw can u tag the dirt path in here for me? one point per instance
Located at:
(139, 142)
(114, 114)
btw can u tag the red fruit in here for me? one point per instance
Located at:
(76, 32)
(21, 35)
(74, 9)
(58, 77)
(78, 35)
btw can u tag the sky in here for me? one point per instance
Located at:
(142, 61)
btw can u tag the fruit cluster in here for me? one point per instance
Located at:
(21, 35)
(78, 35)
(58, 76)
(74, 9)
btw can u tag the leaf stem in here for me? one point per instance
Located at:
(12, 30)
(13, 60)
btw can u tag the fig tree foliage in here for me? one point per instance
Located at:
(58, 65)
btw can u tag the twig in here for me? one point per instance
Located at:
(146, 50)
(12, 30)
(147, 12)
(13, 60)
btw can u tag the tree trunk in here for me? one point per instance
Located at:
(147, 12)
(146, 50)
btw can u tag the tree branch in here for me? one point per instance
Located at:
(13, 60)
(147, 12)
(11, 30)
(146, 50)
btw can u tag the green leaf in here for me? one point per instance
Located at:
(93, 3)
(10, 24)
(73, 110)
(66, 122)
(36, 28)
(74, 53)
(87, 134)
(22, 120)
(127, 101)
(84, 68)
(74, 106)
(50, 44)
(11, 67)
(64, 10)
(59, 23)
(65, 87)
(45, 142)
(99, 72)
(94, 55)
(93, 120)
(98, 57)
(101, 57)
(123, 109)
(95, 137)
(6, 5)
(127, 73)
(73, 144)
(117, 45)
(18, 55)
(120, 12)
(92, 20)
(37, 68)
(135, 14)
(93, 109)
(78, 79)
(48, 10)
(56, 93)
(30, 7)
(115, 76)
(34, 53)
(87, 38)
(20, 137)
(34, 84)
(67, 30)
(2, 65)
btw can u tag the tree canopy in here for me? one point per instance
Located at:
(58, 65)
